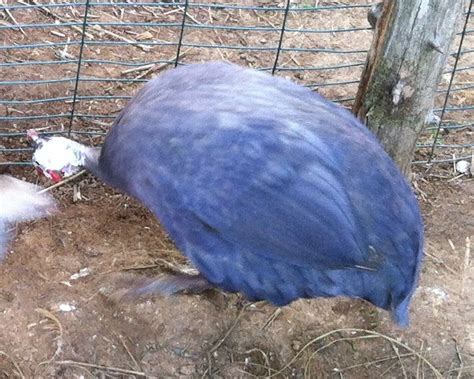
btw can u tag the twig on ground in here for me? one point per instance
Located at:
(49, 13)
(423, 194)
(98, 367)
(265, 357)
(152, 67)
(99, 29)
(395, 349)
(461, 361)
(459, 369)
(314, 353)
(62, 182)
(9, 14)
(374, 362)
(17, 367)
(368, 334)
(230, 330)
(419, 365)
(272, 318)
(265, 19)
(135, 362)
(388, 369)
(56, 327)
(465, 268)
(441, 262)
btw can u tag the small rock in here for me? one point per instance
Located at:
(92, 253)
(296, 345)
(66, 307)
(82, 273)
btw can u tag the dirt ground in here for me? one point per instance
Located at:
(58, 325)
(55, 320)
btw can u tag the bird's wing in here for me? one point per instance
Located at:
(281, 199)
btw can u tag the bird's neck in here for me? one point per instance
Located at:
(91, 160)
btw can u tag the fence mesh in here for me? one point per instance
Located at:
(69, 67)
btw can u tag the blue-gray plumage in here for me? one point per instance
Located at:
(268, 188)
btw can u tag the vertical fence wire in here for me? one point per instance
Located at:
(282, 33)
(79, 65)
(181, 33)
(451, 80)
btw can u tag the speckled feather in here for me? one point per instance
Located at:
(267, 187)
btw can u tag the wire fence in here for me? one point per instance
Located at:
(69, 67)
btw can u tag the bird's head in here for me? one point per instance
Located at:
(56, 157)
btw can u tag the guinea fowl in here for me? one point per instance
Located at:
(20, 201)
(268, 188)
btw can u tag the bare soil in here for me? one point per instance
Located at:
(51, 320)
(55, 321)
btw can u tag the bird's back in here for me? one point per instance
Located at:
(267, 187)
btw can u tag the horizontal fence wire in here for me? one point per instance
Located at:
(68, 68)
(190, 5)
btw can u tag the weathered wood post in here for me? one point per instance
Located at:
(408, 53)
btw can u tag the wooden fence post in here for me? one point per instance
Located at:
(408, 53)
